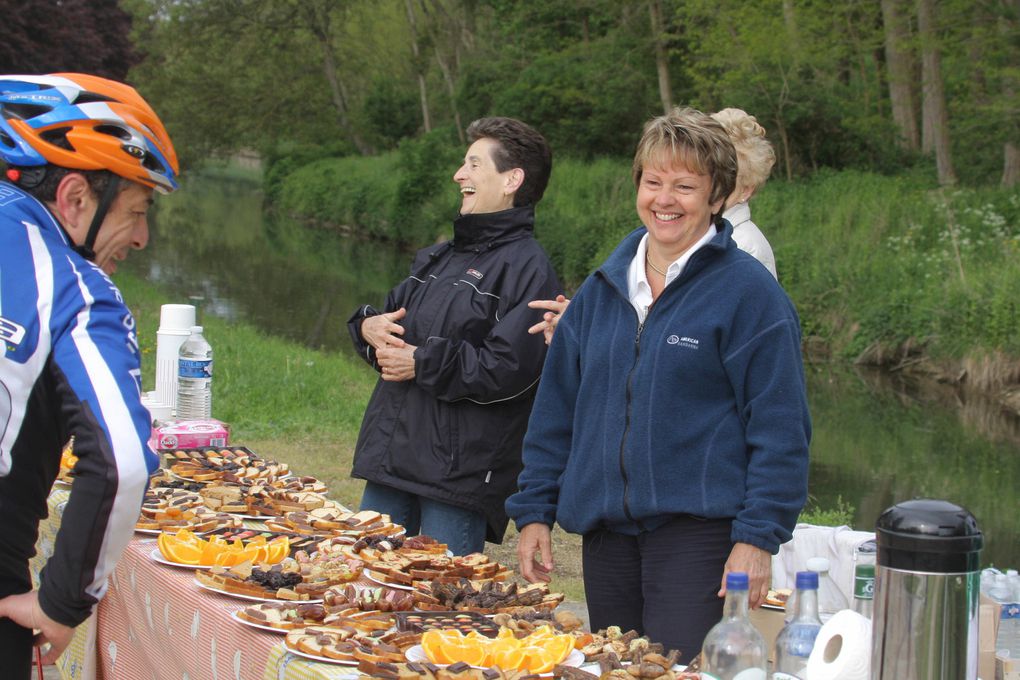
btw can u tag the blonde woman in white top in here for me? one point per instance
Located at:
(755, 158)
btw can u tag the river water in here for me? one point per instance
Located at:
(877, 441)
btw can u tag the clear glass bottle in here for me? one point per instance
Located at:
(830, 598)
(864, 589)
(194, 377)
(733, 648)
(797, 639)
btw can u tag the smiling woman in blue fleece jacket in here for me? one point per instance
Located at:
(671, 426)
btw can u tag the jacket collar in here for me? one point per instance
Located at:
(478, 232)
(43, 215)
(616, 266)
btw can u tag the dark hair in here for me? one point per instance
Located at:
(41, 182)
(519, 146)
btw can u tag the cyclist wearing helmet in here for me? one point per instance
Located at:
(83, 156)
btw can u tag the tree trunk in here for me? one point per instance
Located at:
(661, 58)
(419, 67)
(898, 59)
(451, 90)
(443, 29)
(321, 27)
(1010, 150)
(933, 104)
(1011, 166)
(790, 22)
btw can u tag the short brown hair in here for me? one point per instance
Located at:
(518, 146)
(689, 137)
(755, 155)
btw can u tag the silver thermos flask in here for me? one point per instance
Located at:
(927, 583)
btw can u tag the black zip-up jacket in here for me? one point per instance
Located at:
(454, 432)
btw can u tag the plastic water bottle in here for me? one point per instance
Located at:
(194, 377)
(733, 648)
(1013, 581)
(864, 589)
(830, 598)
(1007, 642)
(797, 639)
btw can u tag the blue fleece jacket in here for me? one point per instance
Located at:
(702, 410)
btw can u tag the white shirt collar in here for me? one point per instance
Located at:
(638, 289)
(737, 214)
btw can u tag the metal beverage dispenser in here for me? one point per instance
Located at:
(927, 588)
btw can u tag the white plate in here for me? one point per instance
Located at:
(252, 624)
(312, 657)
(575, 658)
(157, 556)
(250, 597)
(378, 578)
(593, 667)
(157, 532)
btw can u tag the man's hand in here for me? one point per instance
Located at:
(397, 363)
(25, 611)
(382, 330)
(757, 563)
(555, 309)
(535, 541)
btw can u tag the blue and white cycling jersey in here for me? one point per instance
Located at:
(69, 366)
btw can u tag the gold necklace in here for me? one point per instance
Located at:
(655, 269)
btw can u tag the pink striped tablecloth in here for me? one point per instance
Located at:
(155, 622)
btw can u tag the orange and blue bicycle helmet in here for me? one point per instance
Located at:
(84, 122)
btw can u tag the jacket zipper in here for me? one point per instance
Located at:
(626, 427)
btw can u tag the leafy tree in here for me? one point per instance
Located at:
(48, 36)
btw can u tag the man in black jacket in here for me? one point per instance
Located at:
(440, 443)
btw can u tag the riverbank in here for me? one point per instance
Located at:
(888, 271)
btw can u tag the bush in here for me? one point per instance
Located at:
(842, 514)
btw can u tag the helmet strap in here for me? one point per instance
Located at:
(110, 193)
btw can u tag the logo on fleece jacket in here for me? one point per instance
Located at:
(475, 273)
(683, 341)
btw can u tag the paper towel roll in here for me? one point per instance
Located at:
(842, 649)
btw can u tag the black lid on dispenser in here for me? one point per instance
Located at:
(929, 535)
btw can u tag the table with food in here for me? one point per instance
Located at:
(242, 569)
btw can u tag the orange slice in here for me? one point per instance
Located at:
(182, 553)
(432, 643)
(559, 647)
(470, 652)
(510, 659)
(278, 550)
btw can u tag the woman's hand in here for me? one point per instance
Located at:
(757, 564)
(25, 611)
(382, 330)
(547, 325)
(535, 541)
(396, 363)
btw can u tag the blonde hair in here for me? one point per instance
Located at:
(688, 137)
(755, 155)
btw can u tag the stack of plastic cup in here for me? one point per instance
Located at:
(175, 322)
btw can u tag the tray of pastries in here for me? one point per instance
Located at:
(208, 464)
